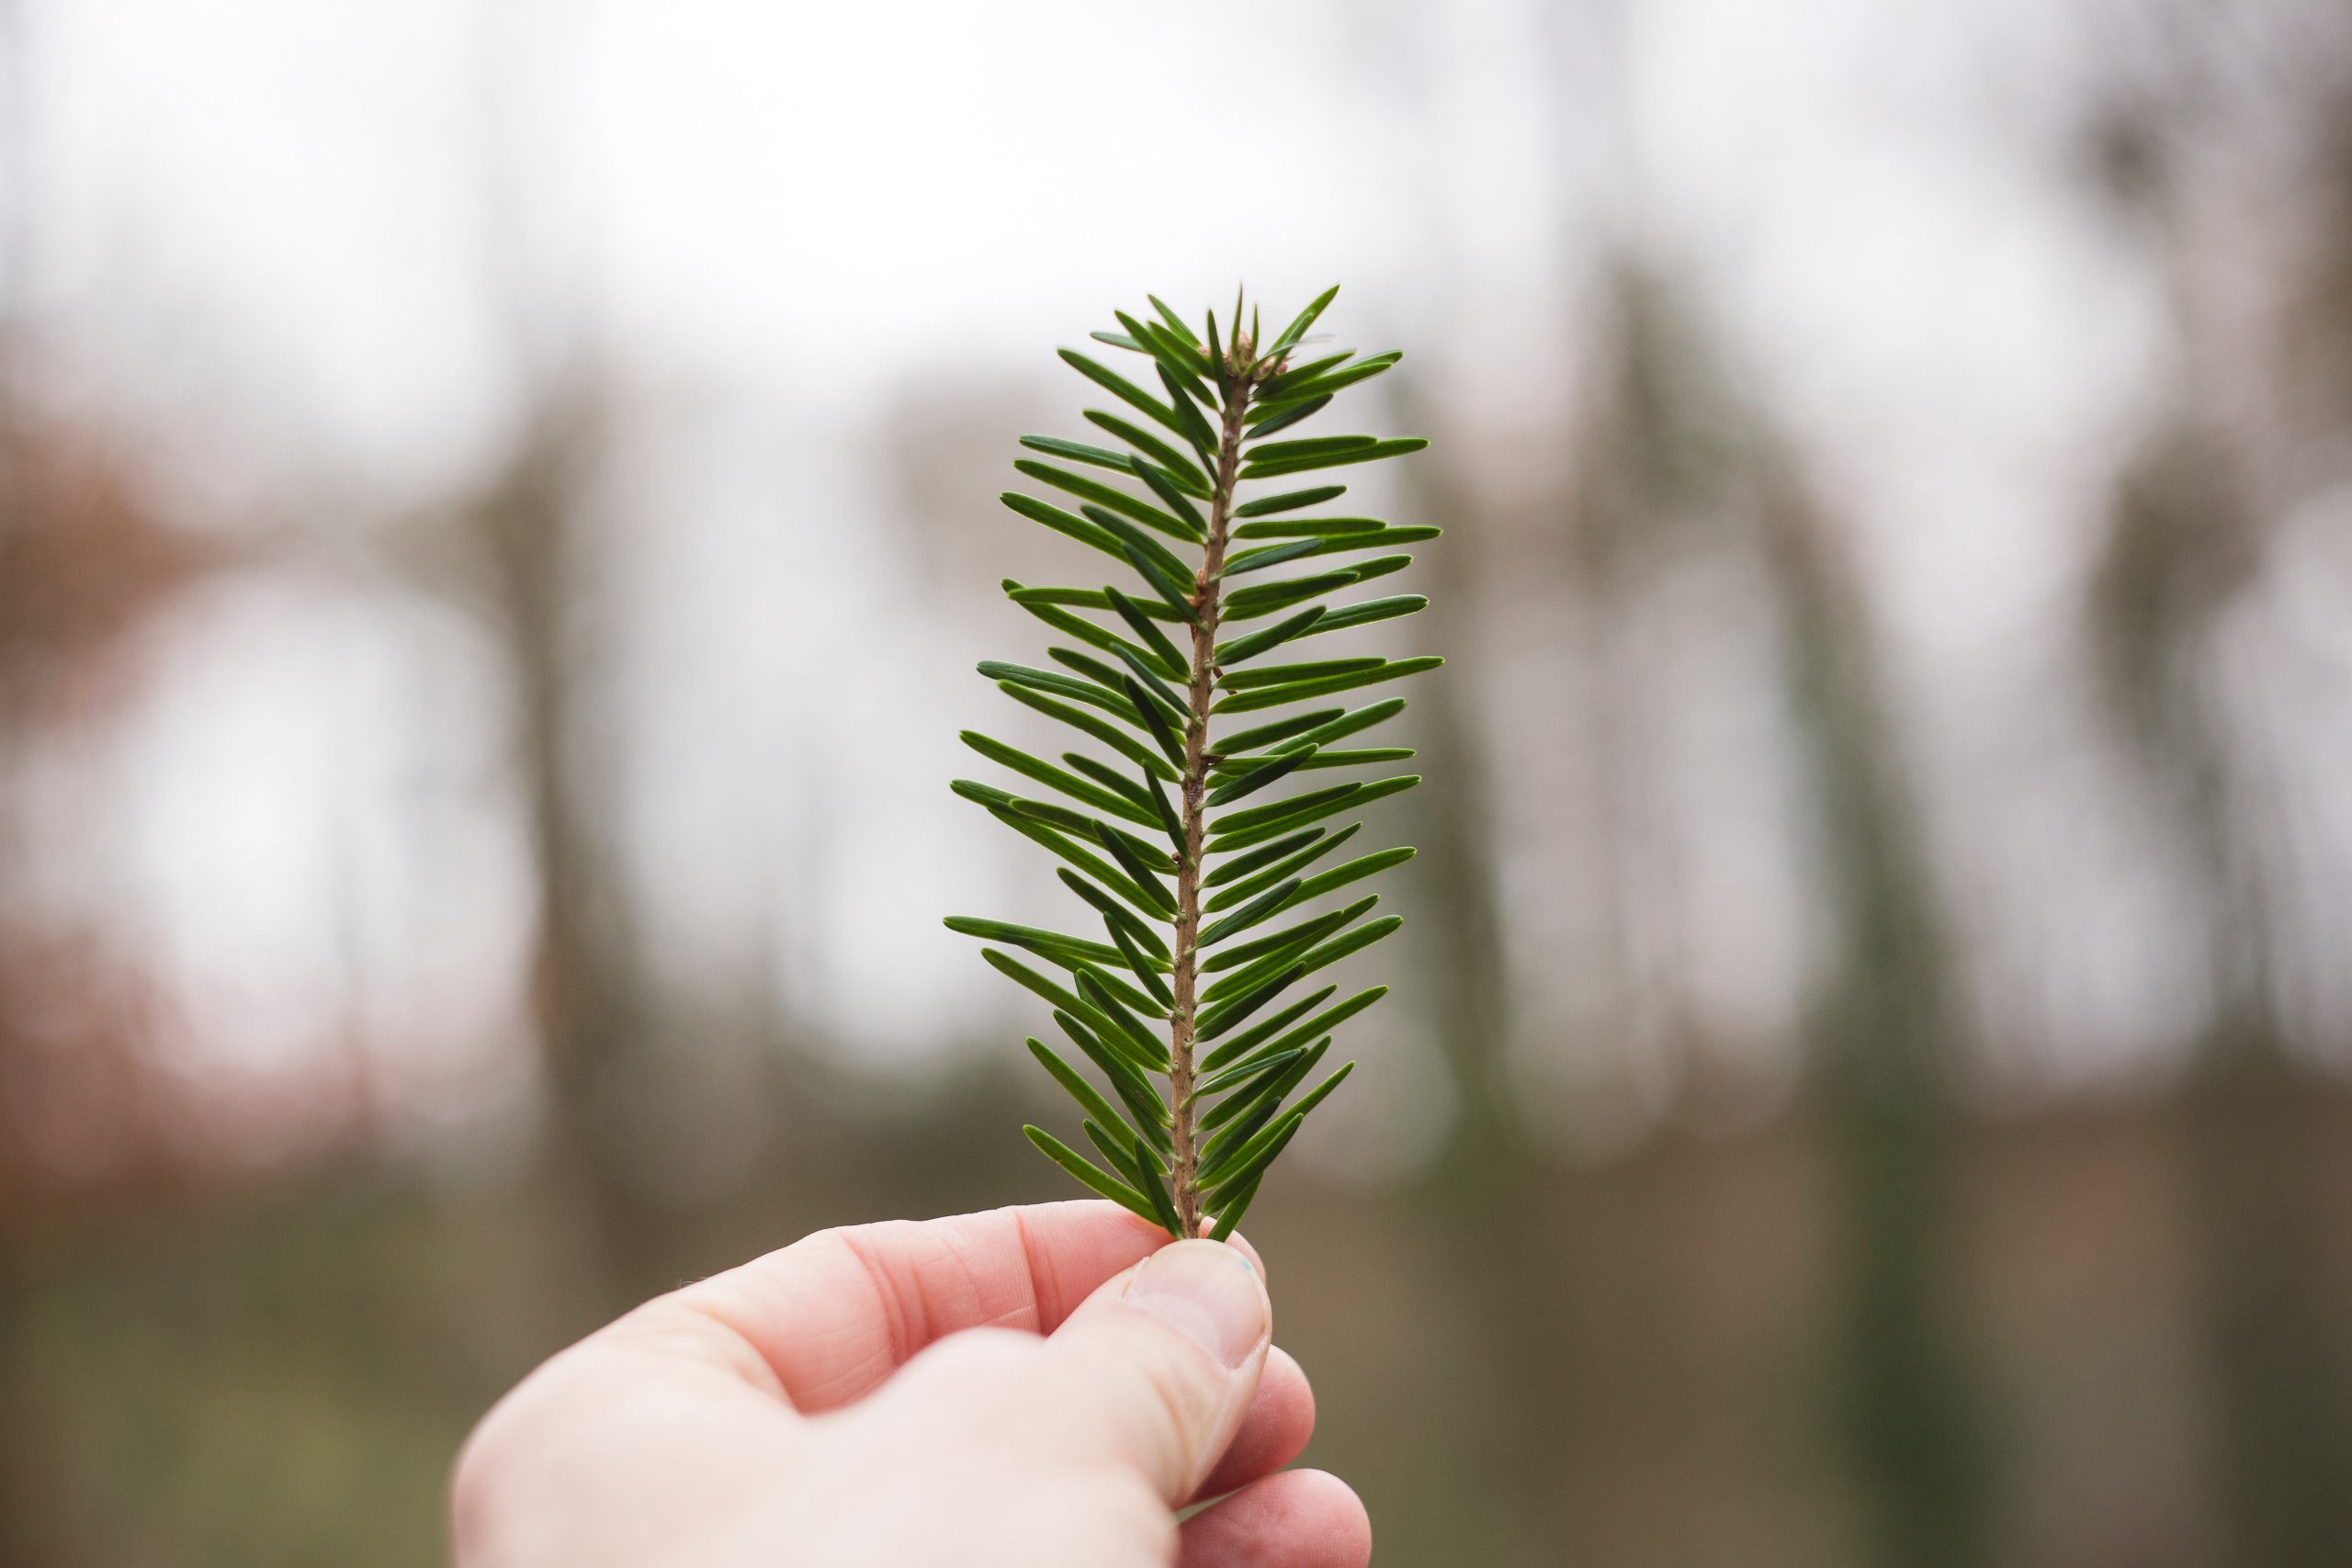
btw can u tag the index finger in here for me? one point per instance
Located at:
(833, 1315)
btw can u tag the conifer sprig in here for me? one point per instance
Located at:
(1188, 845)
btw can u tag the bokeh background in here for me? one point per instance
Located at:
(496, 517)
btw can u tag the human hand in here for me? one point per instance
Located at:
(882, 1396)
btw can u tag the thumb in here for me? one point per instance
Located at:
(1151, 1374)
(1157, 1366)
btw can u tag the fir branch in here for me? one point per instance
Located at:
(1189, 1127)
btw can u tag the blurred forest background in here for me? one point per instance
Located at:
(496, 514)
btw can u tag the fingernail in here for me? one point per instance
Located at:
(1209, 1292)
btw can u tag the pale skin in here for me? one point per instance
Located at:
(1041, 1387)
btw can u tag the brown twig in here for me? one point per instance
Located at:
(1239, 374)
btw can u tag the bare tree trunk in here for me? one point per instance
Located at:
(1499, 1251)
(541, 573)
(2280, 1386)
(1882, 1038)
(30, 1532)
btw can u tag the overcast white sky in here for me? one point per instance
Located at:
(797, 193)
